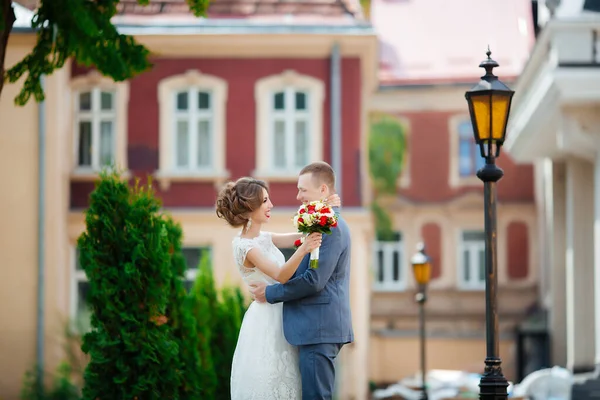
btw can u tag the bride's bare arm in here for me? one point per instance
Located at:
(285, 240)
(256, 259)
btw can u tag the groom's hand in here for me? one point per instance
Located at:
(258, 291)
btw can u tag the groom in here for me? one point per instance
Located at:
(316, 310)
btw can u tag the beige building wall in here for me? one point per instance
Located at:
(394, 358)
(18, 230)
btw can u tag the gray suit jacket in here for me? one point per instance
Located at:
(316, 305)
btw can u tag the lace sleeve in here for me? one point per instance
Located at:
(241, 247)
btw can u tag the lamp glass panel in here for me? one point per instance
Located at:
(481, 109)
(499, 114)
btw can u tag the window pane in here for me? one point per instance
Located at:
(465, 158)
(474, 236)
(203, 101)
(395, 237)
(106, 143)
(300, 101)
(85, 143)
(467, 265)
(204, 145)
(106, 101)
(85, 101)
(481, 265)
(465, 130)
(192, 257)
(182, 101)
(380, 266)
(279, 101)
(279, 144)
(182, 144)
(479, 161)
(83, 289)
(396, 258)
(301, 144)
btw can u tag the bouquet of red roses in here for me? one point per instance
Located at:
(315, 216)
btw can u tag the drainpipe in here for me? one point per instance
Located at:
(336, 147)
(336, 115)
(41, 229)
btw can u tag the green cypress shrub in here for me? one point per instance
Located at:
(183, 323)
(229, 320)
(125, 255)
(202, 305)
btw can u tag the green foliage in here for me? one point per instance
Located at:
(182, 321)
(387, 147)
(228, 323)
(201, 302)
(86, 34)
(383, 223)
(63, 388)
(219, 316)
(125, 255)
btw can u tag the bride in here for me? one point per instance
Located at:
(265, 366)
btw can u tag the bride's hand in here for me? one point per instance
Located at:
(311, 242)
(334, 200)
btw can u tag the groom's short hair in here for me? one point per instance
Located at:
(321, 173)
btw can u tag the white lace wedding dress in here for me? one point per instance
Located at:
(265, 365)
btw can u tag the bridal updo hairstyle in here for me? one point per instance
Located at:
(238, 199)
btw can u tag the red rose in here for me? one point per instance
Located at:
(302, 211)
(298, 243)
(334, 224)
(300, 220)
(311, 209)
(323, 221)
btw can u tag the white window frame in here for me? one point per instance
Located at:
(95, 116)
(455, 178)
(289, 115)
(289, 81)
(168, 88)
(475, 156)
(474, 248)
(95, 83)
(77, 276)
(388, 248)
(192, 273)
(193, 116)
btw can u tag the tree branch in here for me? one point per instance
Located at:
(7, 21)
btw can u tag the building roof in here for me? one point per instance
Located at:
(245, 8)
(440, 41)
(319, 12)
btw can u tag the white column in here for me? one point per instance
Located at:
(579, 262)
(556, 237)
(597, 257)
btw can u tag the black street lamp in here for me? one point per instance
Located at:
(421, 264)
(489, 106)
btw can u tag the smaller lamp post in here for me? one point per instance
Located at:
(421, 264)
(489, 105)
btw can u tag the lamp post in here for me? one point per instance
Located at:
(421, 264)
(489, 105)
